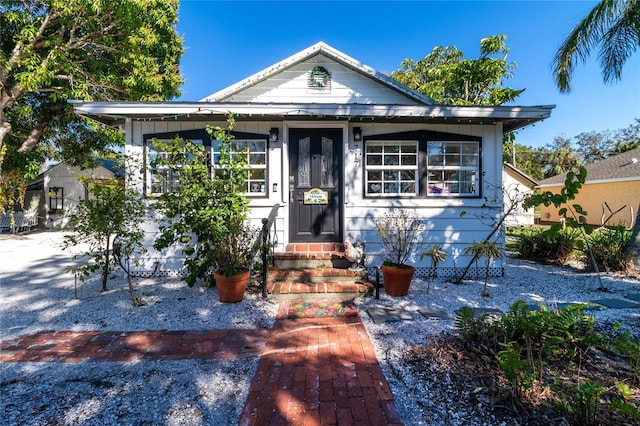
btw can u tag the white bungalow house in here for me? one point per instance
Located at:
(336, 143)
(517, 185)
(56, 193)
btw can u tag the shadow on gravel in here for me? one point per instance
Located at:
(38, 294)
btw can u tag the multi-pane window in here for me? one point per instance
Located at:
(391, 168)
(422, 168)
(452, 168)
(56, 199)
(160, 177)
(255, 151)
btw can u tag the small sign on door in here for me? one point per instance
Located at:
(315, 196)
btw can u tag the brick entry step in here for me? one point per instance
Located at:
(313, 270)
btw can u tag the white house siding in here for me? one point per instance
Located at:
(356, 96)
(443, 217)
(170, 261)
(455, 223)
(517, 189)
(347, 86)
(66, 177)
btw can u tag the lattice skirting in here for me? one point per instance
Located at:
(421, 272)
(162, 273)
(448, 272)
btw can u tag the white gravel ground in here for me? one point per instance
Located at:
(37, 294)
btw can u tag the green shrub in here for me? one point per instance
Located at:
(609, 248)
(528, 343)
(205, 210)
(548, 245)
(524, 340)
(629, 345)
(580, 402)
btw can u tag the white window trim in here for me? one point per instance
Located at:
(458, 168)
(265, 166)
(148, 178)
(383, 168)
(422, 167)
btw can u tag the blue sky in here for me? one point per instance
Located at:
(226, 41)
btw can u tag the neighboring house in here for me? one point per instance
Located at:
(612, 186)
(55, 193)
(336, 144)
(517, 185)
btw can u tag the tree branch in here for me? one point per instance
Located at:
(34, 137)
(18, 52)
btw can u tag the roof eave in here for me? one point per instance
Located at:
(522, 174)
(512, 117)
(594, 181)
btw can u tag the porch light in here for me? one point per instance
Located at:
(273, 134)
(357, 134)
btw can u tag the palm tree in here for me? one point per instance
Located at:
(437, 255)
(490, 251)
(613, 26)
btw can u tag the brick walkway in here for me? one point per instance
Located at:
(318, 371)
(70, 346)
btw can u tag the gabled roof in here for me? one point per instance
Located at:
(319, 48)
(618, 168)
(239, 100)
(514, 171)
(113, 166)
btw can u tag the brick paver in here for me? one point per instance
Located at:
(319, 371)
(71, 346)
(312, 371)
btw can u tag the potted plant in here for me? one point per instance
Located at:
(399, 230)
(437, 255)
(233, 251)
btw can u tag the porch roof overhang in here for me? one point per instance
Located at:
(116, 113)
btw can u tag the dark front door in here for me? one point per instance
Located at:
(315, 185)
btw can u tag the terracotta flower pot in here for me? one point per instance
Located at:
(397, 280)
(231, 289)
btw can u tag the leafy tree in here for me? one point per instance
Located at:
(573, 214)
(530, 160)
(563, 158)
(628, 138)
(564, 154)
(55, 50)
(205, 207)
(594, 146)
(111, 211)
(597, 145)
(448, 78)
(624, 146)
(614, 27)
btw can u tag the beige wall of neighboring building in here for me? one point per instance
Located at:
(592, 198)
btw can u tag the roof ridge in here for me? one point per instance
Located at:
(614, 167)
